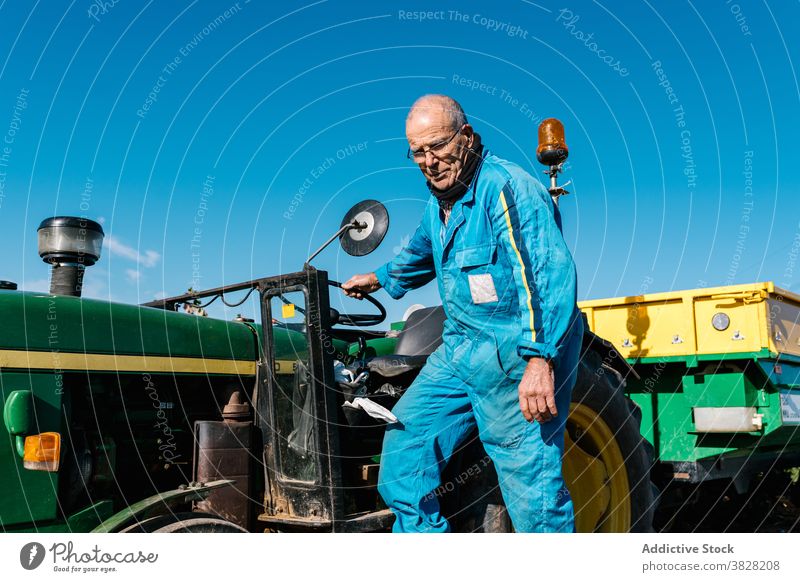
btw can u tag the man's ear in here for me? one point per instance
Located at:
(470, 133)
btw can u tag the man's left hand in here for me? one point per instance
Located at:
(537, 391)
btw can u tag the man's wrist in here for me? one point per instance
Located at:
(549, 361)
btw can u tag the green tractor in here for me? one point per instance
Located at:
(150, 418)
(123, 418)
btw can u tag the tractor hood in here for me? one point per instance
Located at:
(58, 332)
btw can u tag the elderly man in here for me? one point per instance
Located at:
(511, 338)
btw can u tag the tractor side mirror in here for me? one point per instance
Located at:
(368, 221)
(362, 229)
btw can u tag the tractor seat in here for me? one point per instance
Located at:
(420, 336)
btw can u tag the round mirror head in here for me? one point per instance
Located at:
(373, 222)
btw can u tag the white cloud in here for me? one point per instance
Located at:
(133, 275)
(118, 248)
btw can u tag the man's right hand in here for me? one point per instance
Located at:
(357, 285)
(537, 399)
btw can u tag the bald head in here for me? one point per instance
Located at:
(440, 108)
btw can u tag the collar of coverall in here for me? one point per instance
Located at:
(465, 176)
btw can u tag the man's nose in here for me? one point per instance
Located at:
(430, 159)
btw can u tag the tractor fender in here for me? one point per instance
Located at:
(609, 354)
(141, 509)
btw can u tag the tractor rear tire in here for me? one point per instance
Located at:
(607, 461)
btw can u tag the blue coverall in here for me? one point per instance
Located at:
(508, 286)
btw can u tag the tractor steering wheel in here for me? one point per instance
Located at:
(359, 319)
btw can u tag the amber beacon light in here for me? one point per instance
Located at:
(553, 152)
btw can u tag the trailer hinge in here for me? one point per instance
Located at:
(746, 297)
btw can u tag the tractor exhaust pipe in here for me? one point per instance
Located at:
(66, 279)
(70, 245)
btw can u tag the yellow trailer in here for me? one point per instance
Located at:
(717, 377)
(756, 318)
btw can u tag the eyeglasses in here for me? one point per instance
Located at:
(435, 149)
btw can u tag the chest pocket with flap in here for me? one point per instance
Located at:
(475, 256)
(481, 280)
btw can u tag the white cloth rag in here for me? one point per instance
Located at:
(374, 409)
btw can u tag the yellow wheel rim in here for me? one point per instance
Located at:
(595, 474)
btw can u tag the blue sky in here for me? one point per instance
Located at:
(223, 141)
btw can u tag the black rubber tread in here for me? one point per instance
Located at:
(603, 390)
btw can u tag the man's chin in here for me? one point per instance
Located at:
(441, 184)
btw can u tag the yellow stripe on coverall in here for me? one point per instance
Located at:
(521, 263)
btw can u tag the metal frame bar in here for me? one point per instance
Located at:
(326, 495)
(169, 303)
